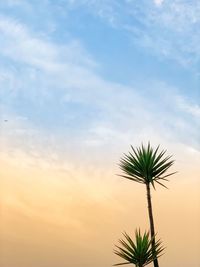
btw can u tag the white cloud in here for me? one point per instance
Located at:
(20, 45)
(158, 2)
(193, 109)
(170, 31)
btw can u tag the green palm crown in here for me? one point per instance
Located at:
(146, 165)
(139, 252)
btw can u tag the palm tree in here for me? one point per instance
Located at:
(139, 252)
(147, 166)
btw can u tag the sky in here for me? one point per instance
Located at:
(81, 81)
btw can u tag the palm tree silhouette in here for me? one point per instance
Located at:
(147, 166)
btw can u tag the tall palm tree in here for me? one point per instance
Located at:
(138, 252)
(147, 166)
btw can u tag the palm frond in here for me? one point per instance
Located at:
(138, 252)
(146, 165)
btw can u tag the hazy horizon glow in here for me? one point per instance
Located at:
(81, 81)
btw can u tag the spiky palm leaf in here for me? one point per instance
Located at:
(139, 252)
(146, 165)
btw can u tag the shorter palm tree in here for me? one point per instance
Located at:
(139, 252)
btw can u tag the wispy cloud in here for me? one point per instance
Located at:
(35, 51)
(190, 108)
(170, 31)
(158, 2)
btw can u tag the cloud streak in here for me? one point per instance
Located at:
(170, 31)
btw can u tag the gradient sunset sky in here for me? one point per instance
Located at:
(81, 81)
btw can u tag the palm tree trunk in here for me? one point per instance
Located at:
(152, 230)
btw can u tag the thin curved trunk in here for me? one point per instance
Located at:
(152, 230)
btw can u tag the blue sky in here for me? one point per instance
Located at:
(99, 73)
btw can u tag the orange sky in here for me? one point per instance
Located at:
(53, 217)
